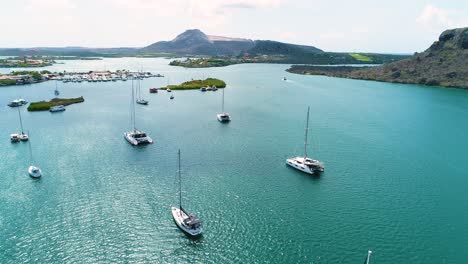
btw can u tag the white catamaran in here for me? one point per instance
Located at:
(136, 137)
(33, 171)
(223, 117)
(23, 136)
(305, 163)
(188, 223)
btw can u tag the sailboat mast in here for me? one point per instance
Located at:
(132, 104)
(222, 104)
(21, 121)
(30, 150)
(306, 132)
(180, 183)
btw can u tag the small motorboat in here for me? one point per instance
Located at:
(172, 97)
(34, 171)
(284, 79)
(57, 108)
(214, 88)
(208, 88)
(142, 101)
(153, 90)
(168, 90)
(203, 89)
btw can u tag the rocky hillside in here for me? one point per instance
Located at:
(445, 63)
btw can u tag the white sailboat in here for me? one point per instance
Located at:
(56, 91)
(33, 171)
(306, 164)
(188, 223)
(223, 117)
(136, 137)
(139, 99)
(22, 136)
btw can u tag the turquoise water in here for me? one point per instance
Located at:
(396, 171)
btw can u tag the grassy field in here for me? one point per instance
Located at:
(197, 84)
(361, 57)
(45, 106)
(7, 82)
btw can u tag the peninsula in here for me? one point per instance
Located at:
(444, 63)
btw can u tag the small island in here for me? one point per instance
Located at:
(197, 84)
(45, 106)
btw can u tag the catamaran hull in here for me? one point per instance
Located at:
(179, 216)
(135, 142)
(223, 119)
(299, 167)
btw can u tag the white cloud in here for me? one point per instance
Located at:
(438, 19)
(433, 16)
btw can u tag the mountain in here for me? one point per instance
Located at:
(195, 42)
(444, 63)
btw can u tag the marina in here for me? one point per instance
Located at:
(99, 198)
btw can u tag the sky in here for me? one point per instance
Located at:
(397, 26)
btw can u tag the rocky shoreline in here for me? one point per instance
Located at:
(443, 64)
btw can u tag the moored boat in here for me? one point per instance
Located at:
(34, 172)
(57, 108)
(135, 136)
(223, 117)
(304, 163)
(188, 223)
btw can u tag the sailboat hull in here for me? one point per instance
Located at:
(34, 172)
(309, 166)
(179, 216)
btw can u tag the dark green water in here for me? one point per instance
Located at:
(395, 181)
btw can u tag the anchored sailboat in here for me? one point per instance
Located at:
(17, 137)
(139, 99)
(305, 163)
(33, 171)
(223, 117)
(136, 137)
(188, 223)
(56, 91)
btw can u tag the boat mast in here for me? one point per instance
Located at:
(306, 133)
(133, 107)
(180, 182)
(21, 121)
(30, 150)
(222, 104)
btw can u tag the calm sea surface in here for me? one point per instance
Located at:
(395, 182)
